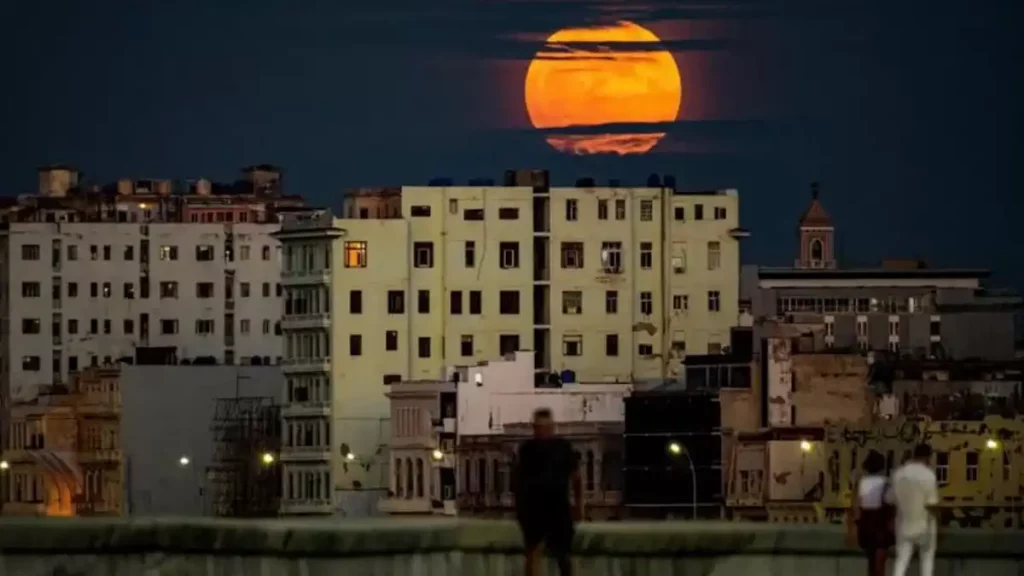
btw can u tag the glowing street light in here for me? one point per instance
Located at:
(675, 449)
(805, 446)
(437, 455)
(268, 458)
(184, 461)
(350, 456)
(4, 465)
(992, 444)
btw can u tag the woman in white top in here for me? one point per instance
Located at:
(870, 518)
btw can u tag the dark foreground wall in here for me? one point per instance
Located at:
(79, 547)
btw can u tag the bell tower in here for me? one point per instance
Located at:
(817, 236)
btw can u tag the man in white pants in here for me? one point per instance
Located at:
(914, 490)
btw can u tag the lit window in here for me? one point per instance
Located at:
(355, 254)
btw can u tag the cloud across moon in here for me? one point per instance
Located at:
(596, 76)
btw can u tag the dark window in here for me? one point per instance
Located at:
(94, 290)
(455, 302)
(508, 302)
(355, 344)
(391, 340)
(645, 350)
(698, 212)
(423, 346)
(473, 214)
(680, 213)
(396, 302)
(602, 209)
(355, 302)
(423, 301)
(508, 343)
(129, 326)
(106, 326)
(204, 253)
(470, 254)
(30, 363)
(508, 213)
(466, 345)
(392, 379)
(611, 345)
(475, 302)
(31, 326)
(611, 302)
(204, 290)
(423, 254)
(94, 326)
(420, 211)
(106, 252)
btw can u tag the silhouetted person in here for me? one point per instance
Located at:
(547, 468)
(871, 518)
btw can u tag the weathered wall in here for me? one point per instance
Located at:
(830, 388)
(454, 548)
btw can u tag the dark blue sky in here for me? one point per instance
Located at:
(909, 116)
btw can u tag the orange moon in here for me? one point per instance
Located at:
(570, 86)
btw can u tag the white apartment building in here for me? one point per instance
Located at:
(604, 284)
(76, 294)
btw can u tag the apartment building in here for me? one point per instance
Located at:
(137, 273)
(605, 284)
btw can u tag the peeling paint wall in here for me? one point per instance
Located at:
(830, 388)
(780, 382)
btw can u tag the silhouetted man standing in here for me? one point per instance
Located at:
(547, 469)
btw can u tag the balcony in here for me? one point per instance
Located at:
(298, 507)
(305, 277)
(317, 408)
(406, 506)
(299, 365)
(305, 321)
(104, 456)
(305, 453)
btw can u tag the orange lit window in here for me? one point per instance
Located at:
(355, 254)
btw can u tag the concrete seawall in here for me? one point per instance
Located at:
(115, 547)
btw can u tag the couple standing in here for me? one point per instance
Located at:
(901, 510)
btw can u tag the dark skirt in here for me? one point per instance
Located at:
(874, 529)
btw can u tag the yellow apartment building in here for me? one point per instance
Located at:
(604, 284)
(64, 456)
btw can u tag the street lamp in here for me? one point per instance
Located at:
(268, 458)
(805, 446)
(4, 465)
(437, 455)
(675, 449)
(184, 461)
(350, 456)
(992, 444)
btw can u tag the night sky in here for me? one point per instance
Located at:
(909, 116)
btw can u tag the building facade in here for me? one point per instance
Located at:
(604, 284)
(135, 273)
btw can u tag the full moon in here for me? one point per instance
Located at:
(569, 86)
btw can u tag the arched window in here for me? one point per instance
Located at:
(817, 250)
(590, 470)
(419, 477)
(399, 486)
(408, 478)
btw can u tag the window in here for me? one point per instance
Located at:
(646, 304)
(355, 302)
(972, 466)
(602, 209)
(423, 301)
(419, 211)
(714, 255)
(72, 289)
(30, 363)
(204, 326)
(266, 290)
(611, 302)
(466, 345)
(680, 302)
(469, 254)
(679, 213)
(571, 208)
(107, 290)
(935, 327)
(31, 326)
(106, 252)
(106, 326)
(475, 302)
(508, 213)
(94, 290)
(698, 212)
(453, 206)
(243, 252)
(72, 252)
(31, 289)
(611, 257)
(572, 345)
(204, 253)
(168, 327)
(719, 213)
(244, 326)
(391, 340)
(572, 302)
(611, 345)
(424, 254)
(645, 350)
(168, 289)
(509, 254)
(266, 253)
(646, 255)
(94, 326)
(396, 302)
(355, 254)
(572, 255)
(204, 290)
(30, 252)
(474, 214)
(646, 210)
(72, 326)
(508, 343)
(508, 302)
(455, 302)
(244, 289)
(168, 252)
(714, 301)
(266, 327)
(129, 291)
(355, 345)
(620, 209)
(423, 346)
